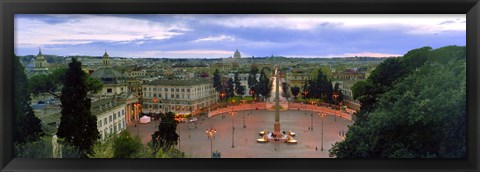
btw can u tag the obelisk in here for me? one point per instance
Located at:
(276, 125)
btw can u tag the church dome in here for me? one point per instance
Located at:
(108, 75)
(237, 54)
(40, 55)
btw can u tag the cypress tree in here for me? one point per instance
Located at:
(217, 81)
(78, 127)
(27, 125)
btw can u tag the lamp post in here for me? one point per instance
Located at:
(305, 105)
(251, 105)
(136, 106)
(233, 126)
(335, 95)
(321, 116)
(210, 133)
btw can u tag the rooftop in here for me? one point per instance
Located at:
(174, 82)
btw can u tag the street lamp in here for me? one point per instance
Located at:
(305, 105)
(233, 126)
(210, 133)
(311, 121)
(251, 105)
(321, 116)
(335, 95)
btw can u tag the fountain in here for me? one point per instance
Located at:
(276, 135)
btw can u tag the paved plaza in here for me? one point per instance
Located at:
(196, 144)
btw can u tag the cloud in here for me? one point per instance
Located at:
(192, 53)
(91, 28)
(364, 54)
(216, 38)
(411, 23)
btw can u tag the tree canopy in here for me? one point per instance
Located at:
(166, 135)
(27, 125)
(78, 126)
(420, 115)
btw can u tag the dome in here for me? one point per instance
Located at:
(40, 55)
(105, 55)
(108, 75)
(236, 54)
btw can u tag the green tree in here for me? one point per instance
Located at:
(421, 115)
(264, 85)
(295, 91)
(52, 83)
(27, 125)
(230, 88)
(339, 94)
(252, 79)
(166, 135)
(126, 146)
(78, 127)
(239, 89)
(217, 83)
(286, 89)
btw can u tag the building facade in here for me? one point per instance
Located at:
(178, 96)
(110, 117)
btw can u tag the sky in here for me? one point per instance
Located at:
(218, 36)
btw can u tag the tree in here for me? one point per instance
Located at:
(305, 89)
(230, 88)
(264, 85)
(52, 83)
(295, 91)
(166, 135)
(78, 127)
(217, 83)
(252, 77)
(27, 125)
(126, 146)
(339, 94)
(421, 115)
(239, 89)
(286, 89)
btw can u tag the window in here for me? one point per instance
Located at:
(110, 118)
(121, 89)
(119, 114)
(188, 90)
(123, 112)
(172, 96)
(171, 90)
(160, 95)
(145, 89)
(111, 130)
(99, 124)
(178, 96)
(166, 89)
(105, 133)
(154, 95)
(183, 90)
(149, 88)
(154, 89)
(109, 90)
(114, 116)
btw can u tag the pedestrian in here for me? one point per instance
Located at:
(189, 136)
(316, 148)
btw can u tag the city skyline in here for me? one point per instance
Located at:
(218, 36)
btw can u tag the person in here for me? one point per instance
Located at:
(316, 148)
